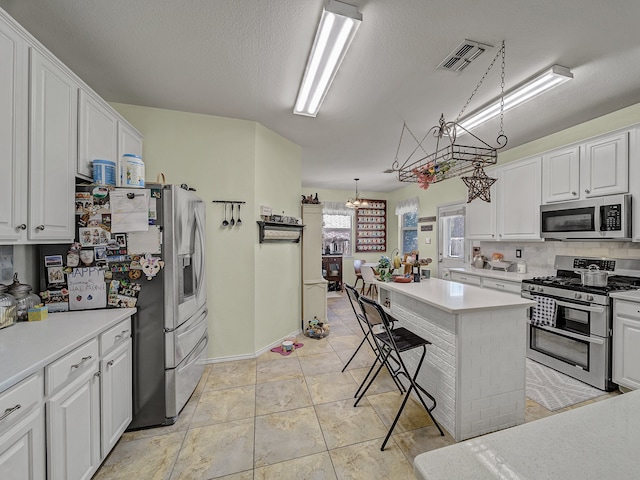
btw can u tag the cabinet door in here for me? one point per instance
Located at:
(22, 451)
(606, 166)
(116, 395)
(98, 134)
(561, 175)
(73, 429)
(53, 143)
(13, 134)
(129, 140)
(519, 195)
(626, 344)
(480, 217)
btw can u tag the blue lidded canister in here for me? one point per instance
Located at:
(104, 172)
(132, 171)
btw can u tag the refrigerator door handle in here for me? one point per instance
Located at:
(201, 267)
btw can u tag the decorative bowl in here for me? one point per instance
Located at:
(402, 279)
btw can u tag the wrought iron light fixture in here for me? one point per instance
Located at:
(356, 202)
(338, 25)
(452, 158)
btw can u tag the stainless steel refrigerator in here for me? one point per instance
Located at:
(170, 329)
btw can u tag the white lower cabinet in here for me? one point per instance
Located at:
(509, 286)
(73, 428)
(626, 344)
(115, 395)
(22, 444)
(466, 278)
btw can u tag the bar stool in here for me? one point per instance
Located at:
(391, 343)
(353, 296)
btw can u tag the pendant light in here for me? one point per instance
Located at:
(356, 202)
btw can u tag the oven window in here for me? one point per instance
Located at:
(572, 220)
(573, 320)
(569, 350)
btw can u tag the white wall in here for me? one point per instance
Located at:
(228, 159)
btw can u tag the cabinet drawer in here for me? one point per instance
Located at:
(506, 286)
(115, 336)
(70, 365)
(628, 309)
(464, 278)
(19, 399)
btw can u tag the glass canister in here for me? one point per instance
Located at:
(8, 306)
(24, 298)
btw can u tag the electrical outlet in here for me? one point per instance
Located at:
(518, 253)
(427, 241)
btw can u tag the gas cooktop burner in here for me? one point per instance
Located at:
(574, 283)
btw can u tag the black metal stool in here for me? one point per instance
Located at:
(391, 343)
(353, 296)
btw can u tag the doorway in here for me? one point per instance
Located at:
(452, 247)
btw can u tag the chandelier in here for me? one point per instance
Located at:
(452, 158)
(356, 202)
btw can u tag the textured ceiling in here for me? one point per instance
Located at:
(245, 58)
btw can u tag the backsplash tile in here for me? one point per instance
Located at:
(6, 263)
(542, 255)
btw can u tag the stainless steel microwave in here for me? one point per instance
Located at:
(599, 218)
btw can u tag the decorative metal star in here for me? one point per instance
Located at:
(479, 184)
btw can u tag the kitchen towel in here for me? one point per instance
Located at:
(544, 313)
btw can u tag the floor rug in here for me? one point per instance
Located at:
(284, 352)
(333, 295)
(554, 390)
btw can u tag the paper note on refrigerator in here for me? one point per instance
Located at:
(129, 210)
(87, 289)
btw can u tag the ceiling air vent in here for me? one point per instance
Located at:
(463, 55)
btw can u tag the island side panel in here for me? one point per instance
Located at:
(476, 366)
(438, 372)
(491, 374)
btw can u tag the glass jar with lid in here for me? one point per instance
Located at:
(24, 298)
(8, 306)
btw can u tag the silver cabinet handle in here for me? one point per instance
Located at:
(122, 334)
(110, 363)
(40, 227)
(499, 285)
(84, 359)
(574, 193)
(9, 411)
(586, 190)
(97, 374)
(22, 226)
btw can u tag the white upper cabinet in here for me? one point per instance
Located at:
(514, 211)
(592, 169)
(14, 146)
(129, 140)
(53, 151)
(519, 195)
(561, 175)
(97, 134)
(606, 166)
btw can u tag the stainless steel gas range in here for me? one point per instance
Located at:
(578, 340)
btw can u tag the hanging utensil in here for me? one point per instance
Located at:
(239, 222)
(225, 223)
(232, 222)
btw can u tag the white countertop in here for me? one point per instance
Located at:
(502, 275)
(454, 297)
(28, 346)
(631, 295)
(594, 442)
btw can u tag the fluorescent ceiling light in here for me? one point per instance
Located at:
(338, 25)
(544, 81)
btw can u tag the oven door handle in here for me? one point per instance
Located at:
(576, 336)
(580, 307)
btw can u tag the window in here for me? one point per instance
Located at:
(409, 232)
(451, 243)
(336, 234)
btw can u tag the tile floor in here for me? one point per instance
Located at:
(287, 417)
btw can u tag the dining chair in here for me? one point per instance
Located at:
(370, 280)
(391, 343)
(357, 264)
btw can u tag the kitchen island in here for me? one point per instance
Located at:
(476, 366)
(596, 441)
